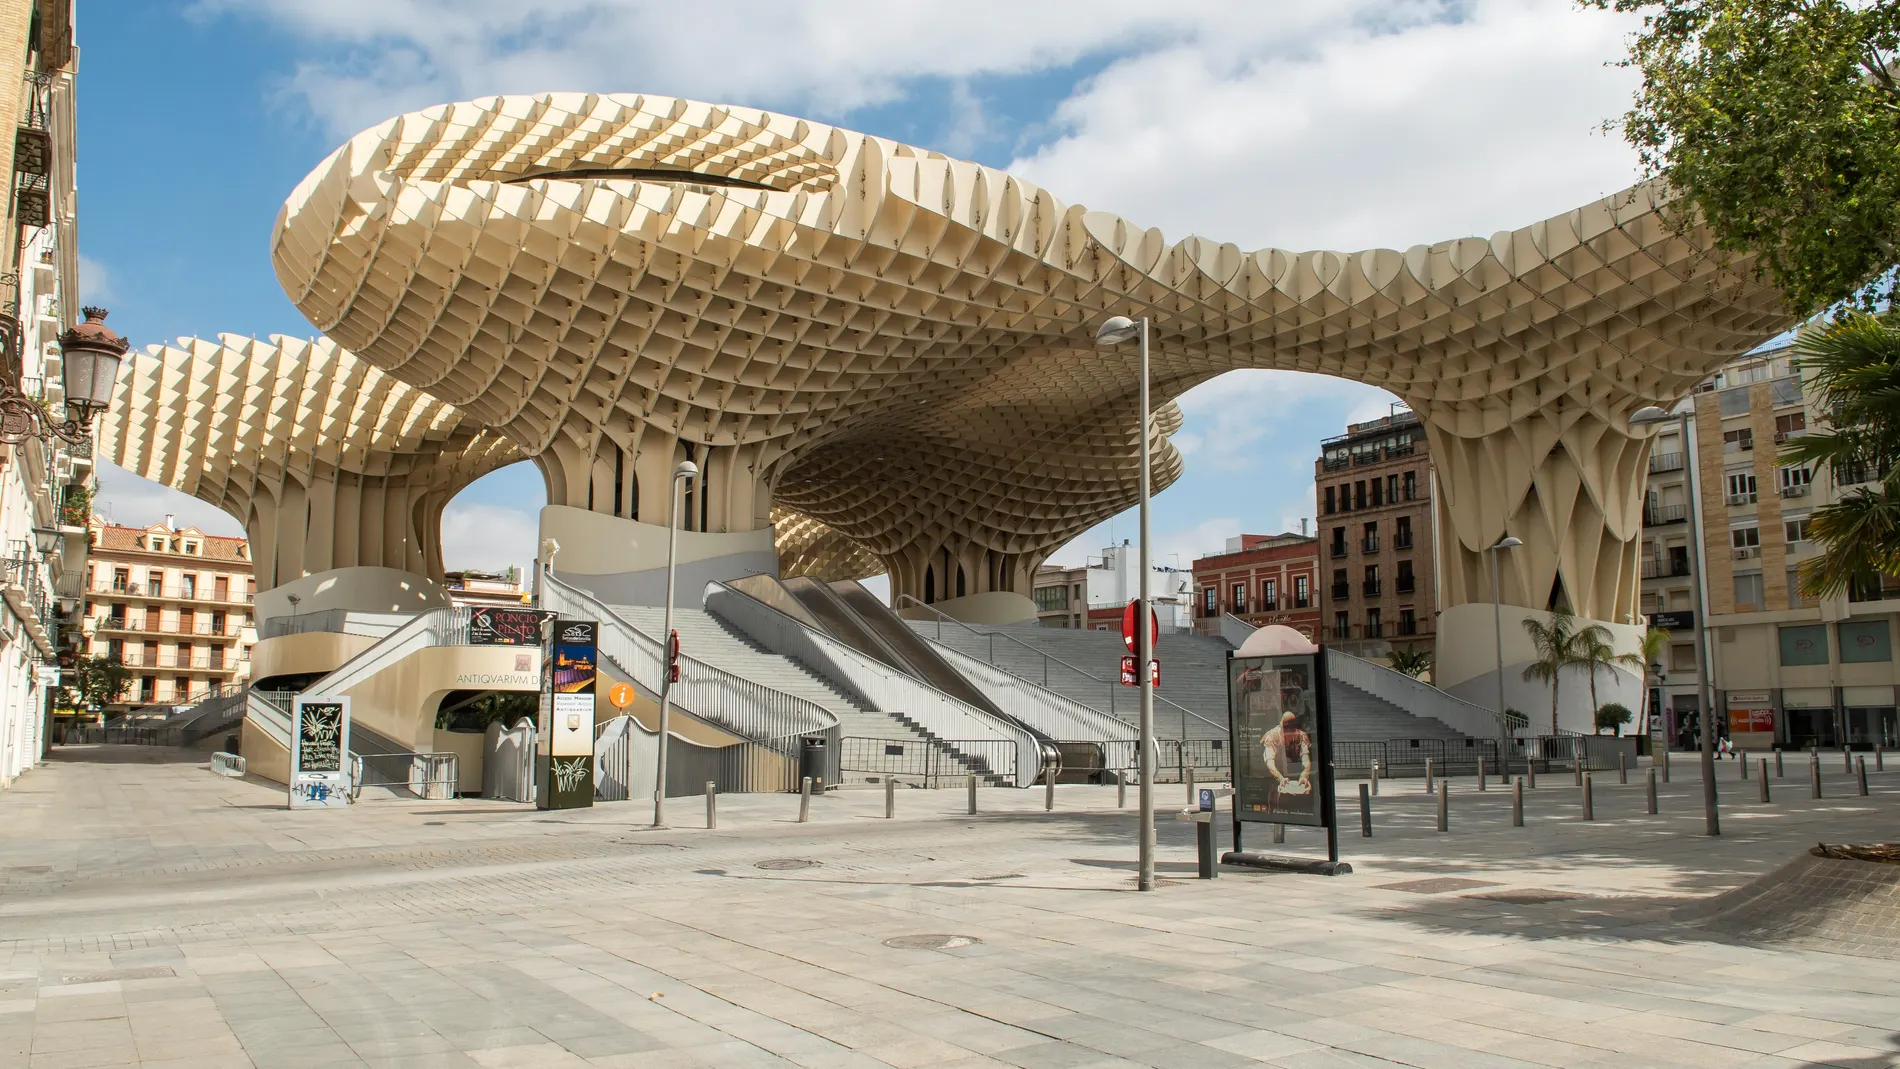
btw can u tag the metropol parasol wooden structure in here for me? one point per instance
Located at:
(887, 352)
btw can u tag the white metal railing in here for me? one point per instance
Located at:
(750, 710)
(1234, 629)
(227, 764)
(876, 683)
(424, 775)
(1414, 696)
(1053, 714)
(508, 761)
(1113, 686)
(270, 711)
(436, 627)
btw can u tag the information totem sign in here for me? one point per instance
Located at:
(1282, 744)
(319, 752)
(566, 742)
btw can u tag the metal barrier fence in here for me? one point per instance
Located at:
(227, 764)
(943, 763)
(120, 735)
(420, 775)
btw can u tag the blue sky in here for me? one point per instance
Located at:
(1302, 124)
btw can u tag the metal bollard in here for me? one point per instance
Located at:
(1188, 778)
(1665, 763)
(1049, 791)
(804, 799)
(1279, 833)
(1481, 778)
(1365, 810)
(1847, 760)
(1121, 790)
(1517, 802)
(1444, 806)
(1880, 759)
(1428, 775)
(1814, 774)
(1205, 854)
(1762, 794)
(1576, 770)
(1860, 775)
(1530, 770)
(1375, 777)
(1651, 791)
(890, 797)
(1622, 767)
(1778, 772)
(1589, 799)
(973, 794)
(1741, 762)
(712, 805)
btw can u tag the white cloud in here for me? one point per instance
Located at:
(488, 537)
(135, 501)
(95, 282)
(1363, 136)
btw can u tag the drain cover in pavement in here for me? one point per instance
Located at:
(1526, 896)
(930, 942)
(781, 864)
(1438, 885)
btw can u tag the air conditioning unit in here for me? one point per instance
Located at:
(1795, 490)
(1745, 552)
(1741, 499)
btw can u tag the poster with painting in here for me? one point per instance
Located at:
(1276, 706)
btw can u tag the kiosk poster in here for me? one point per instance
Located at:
(1278, 760)
(491, 626)
(320, 746)
(567, 780)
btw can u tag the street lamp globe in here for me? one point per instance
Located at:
(685, 469)
(1508, 542)
(1117, 330)
(1648, 416)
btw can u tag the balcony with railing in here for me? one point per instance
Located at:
(134, 658)
(1370, 588)
(147, 626)
(1368, 545)
(1405, 584)
(1662, 462)
(1657, 568)
(1339, 550)
(1402, 540)
(1657, 515)
(201, 592)
(1342, 591)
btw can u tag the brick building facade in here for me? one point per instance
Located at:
(1262, 579)
(1377, 562)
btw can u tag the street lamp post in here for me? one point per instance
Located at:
(1650, 416)
(1497, 630)
(682, 473)
(1120, 330)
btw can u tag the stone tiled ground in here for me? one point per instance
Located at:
(152, 913)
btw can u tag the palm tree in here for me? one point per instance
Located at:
(1649, 650)
(1853, 365)
(1556, 646)
(1596, 651)
(1410, 661)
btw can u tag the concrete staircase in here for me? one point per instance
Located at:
(1193, 675)
(710, 639)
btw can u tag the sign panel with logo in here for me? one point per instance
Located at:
(1681, 620)
(567, 754)
(1751, 711)
(319, 752)
(492, 626)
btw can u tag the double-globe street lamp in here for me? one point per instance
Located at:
(1651, 416)
(1509, 541)
(683, 473)
(1119, 330)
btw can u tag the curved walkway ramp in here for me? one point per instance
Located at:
(1838, 904)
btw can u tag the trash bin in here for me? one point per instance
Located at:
(811, 761)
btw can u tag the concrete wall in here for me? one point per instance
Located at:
(995, 608)
(360, 589)
(470, 748)
(264, 756)
(316, 651)
(1466, 665)
(400, 701)
(623, 562)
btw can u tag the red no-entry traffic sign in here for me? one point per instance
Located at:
(1128, 627)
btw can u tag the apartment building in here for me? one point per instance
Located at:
(174, 607)
(41, 478)
(1789, 671)
(1373, 488)
(1262, 579)
(1061, 596)
(469, 588)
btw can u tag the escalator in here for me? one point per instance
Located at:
(916, 654)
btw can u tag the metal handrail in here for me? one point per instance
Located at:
(753, 711)
(1046, 657)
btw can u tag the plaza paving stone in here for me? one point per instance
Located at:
(154, 914)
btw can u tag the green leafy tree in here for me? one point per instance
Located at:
(1649, 650)
(1612, 717)
(1596, 652)
(1778, 122)
(1410, 661)
(95, 682)
(1852, 365)
(1556, 646)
